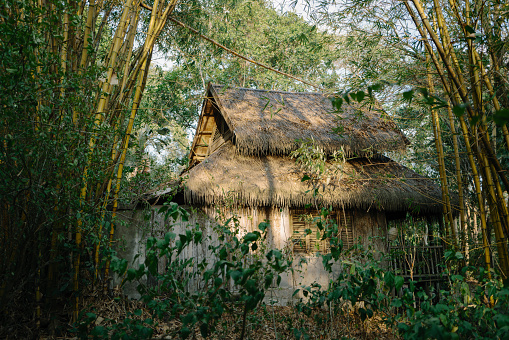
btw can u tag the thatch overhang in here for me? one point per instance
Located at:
(269, 122)
(227, 177)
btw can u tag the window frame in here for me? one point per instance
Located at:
(346, 231)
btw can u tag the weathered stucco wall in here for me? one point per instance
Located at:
(368, 227)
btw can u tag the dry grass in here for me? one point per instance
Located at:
(268, 322)
(277, 181)
(269, 122)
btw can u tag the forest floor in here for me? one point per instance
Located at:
(267, 322)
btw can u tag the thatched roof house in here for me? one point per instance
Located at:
(242, 148)
(240, 163)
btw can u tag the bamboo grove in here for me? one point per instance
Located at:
(464, 53)
(73, 75)
(447, 62)
(453, 56)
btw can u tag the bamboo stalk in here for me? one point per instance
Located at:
(476, 60)
(111, 60)
(441, 160)
(457, 161)
(91, 145)
(445, 40)
(104, 21)
(454, 97)
(478, 192)
(477, 73)
(496, 219)
(492, 93)
(458, 82)
(63, 54)
(500, 202)
(114, 154)
(38, 296)
(84, 52)
(120, 95)
(63, 69)
(136, 102)
(155, 26)
(39, 68)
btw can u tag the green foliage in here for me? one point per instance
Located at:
(162, 126)
(49, 94)
(460, 313)
(235, 273)
(463, 308)
(316, 164)
(130, 328)
(254, 29)
(241, 270)
(42, 152)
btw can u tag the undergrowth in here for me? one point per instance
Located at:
(241, 270)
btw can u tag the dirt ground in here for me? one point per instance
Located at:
(267, 322)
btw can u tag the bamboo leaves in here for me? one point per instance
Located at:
(463, 43)
(131, 70)
(72, 81)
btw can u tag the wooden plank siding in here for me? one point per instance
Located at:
(203, 138)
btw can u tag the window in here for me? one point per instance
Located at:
(345, 228)
(307, 237)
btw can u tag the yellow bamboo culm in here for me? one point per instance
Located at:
(86, 42)
(500, 199)
(478, 192)
(456, 100)
(496, 198)
(134, 110)
(476, 64)
(114, 153)
(99, 116)
(459, 180)
(496, 219)
(137, 99)
(158, 20)
(444, 34)
(441, 162)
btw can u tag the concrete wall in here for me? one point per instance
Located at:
(369, 227)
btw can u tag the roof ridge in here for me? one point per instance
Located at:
(273, 91)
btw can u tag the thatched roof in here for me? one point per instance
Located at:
(240, 155)
(269, 122)
(277, 181)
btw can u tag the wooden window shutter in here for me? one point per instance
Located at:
(306, 236)
(345, 228)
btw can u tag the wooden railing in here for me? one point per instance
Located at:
(420, 263)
